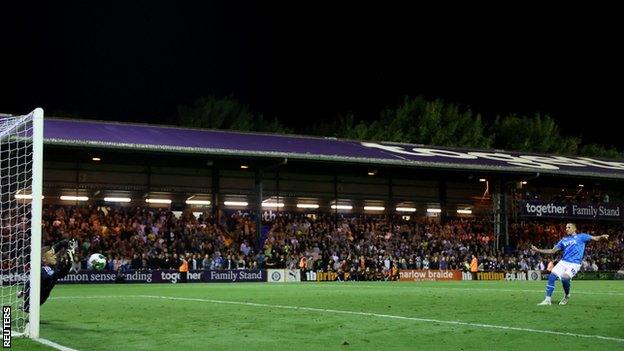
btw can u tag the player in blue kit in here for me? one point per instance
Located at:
(573, 246)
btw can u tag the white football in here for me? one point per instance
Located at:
(97, 261)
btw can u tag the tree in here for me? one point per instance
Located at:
(210, 112)
(428, 122)
(338, 127)
(595, 150)
(274, 126)
(537, 134)
(415, 121)
(228, 113)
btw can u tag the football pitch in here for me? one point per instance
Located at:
(465, 315)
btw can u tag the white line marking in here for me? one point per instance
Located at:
(357, 313)
(54, 345)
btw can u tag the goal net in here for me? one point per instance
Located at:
(21, 151)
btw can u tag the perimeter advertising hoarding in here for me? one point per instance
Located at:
(165, 276)
(276, 275)
(513, 275)
(602, 211)
(414, 275)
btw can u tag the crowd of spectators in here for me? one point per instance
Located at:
(367, 247)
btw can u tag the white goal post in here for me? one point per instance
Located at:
(21, 188)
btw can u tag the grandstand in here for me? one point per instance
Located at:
(279, 208)
(144, 161)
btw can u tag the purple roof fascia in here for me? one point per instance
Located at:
(173, 139)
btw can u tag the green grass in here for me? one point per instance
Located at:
(116, 317)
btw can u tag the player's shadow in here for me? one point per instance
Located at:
(62, 326)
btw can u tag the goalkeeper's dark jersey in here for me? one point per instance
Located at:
(50, 276)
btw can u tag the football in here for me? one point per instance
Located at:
(96, 261)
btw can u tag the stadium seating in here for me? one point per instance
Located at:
(369, 247)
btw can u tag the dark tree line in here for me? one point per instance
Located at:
(414, 120)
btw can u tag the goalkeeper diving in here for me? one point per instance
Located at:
(56, 263)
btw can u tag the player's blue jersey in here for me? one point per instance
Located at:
(573, 247)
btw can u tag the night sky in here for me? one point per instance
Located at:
(305, 62)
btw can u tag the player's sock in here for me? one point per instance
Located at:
(566, 286)
(550, 286)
